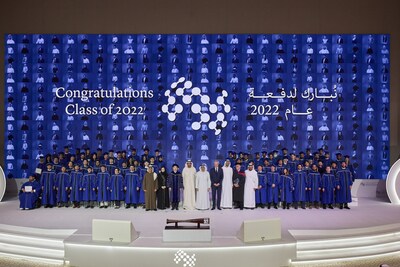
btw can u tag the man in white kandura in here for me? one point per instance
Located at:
(250, 186)
(226, 195)
(189, 177)
(203, 187)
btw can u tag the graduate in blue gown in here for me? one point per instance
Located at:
(42, 164)
(142, 173)
(48, 180)
(63, 183)
(103, 187)
(266, 166)
(132, 187)
(152, 162)
(76, 186)
(334, 168)
(286, 188)
(349, 166)
(279, 166)
(56, 165)
(111, 166)
(307, 166)
(29, 194)
(84, 166)
(261, 192)
(175, 184)
(328, 184)
(124, 168)
(292, 163)
(117, 188)
(314, 187)
(344, 181)
(273, 178)
(300, 187)
(96, 167)
(89, 187)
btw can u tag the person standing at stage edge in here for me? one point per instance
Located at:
(203, 186)
(238, 180)
(216, 175)
(226, 195)
(189, 177)
(344, 181)
(162, 192)
(175, 184)
(150, 186)
(250, 186)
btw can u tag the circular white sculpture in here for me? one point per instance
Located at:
(2, 183)
(393, 183)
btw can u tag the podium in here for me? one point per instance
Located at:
(113, 231)
(198, 231)
(260, 230)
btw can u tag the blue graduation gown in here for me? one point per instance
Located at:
(117, 187)
(28, 200)
(103, 185)
(96, 169)
(261, 193)
(143, 171)
(42, 166)
(63, 182)
(286, 188)
(84, 169)
(344, 180)
(313, 183)
(89, 184)
(175, 182)
(299, 178)
(328, 183)
(292, 165)
(57, 168)
(279, 169)
(124, 171)
(111, 168)
(76, 186)
(48, 180)
(131, 183)
(266, 169)
(273, 192)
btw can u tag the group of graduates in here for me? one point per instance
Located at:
(266, 180)
(78, 187)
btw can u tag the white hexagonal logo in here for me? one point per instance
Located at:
(207, 115)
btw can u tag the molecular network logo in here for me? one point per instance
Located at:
(188, 261)
(184, 90)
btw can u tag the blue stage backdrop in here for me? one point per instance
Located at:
(197, 96)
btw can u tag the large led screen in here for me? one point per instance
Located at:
(197, 96)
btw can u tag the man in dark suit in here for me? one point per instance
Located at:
(216, 176)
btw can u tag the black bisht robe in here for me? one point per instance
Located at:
(162, 194)
(238, 192)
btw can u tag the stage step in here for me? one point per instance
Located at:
(42, 245)
(342, 245)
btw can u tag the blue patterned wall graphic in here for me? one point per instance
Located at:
(197, 96)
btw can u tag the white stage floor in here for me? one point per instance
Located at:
(315, 236)
(224, 223)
